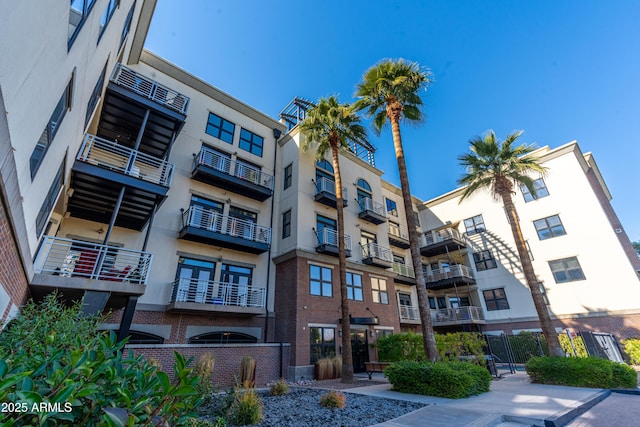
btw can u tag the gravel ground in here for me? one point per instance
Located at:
(301, 408)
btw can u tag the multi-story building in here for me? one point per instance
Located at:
(198, 221)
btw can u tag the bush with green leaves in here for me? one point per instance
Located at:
(632, 348)
(451, 346)
(574, 344)
(581, 372)
(452, 380)
(55, 356)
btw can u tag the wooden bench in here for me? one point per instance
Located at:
(372, 367)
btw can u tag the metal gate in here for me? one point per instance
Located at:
(599, 344)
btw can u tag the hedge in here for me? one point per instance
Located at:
(581, 372)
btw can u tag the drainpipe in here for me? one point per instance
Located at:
(276, 135)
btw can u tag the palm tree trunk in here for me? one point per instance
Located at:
(347, 357)
(428, 337)
(532, 281)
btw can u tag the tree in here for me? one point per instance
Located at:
(330, 126)
(389, 92)
(498, 166)
(636, 246)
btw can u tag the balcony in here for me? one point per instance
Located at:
(374, 254)
(371, 211)
(404, 273)
(325, 193)
(447, 277)
(210, 227)
(102, 168)
(133, 102)
(75, 266)
(438, 242)
(205, 296)
(214, 169)
(457, 316)
(409, 314)
(398, 236)
(327, 242)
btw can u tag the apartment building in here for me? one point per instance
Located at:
(198, 221)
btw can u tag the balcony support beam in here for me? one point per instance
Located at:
(127, 317)
(114, 216)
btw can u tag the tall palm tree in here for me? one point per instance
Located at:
(330, 126)
(389, 91)
(498, 166)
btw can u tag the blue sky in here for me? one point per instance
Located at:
(559, 70)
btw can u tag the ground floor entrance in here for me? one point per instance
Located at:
(359, 350)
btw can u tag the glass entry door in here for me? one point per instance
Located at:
(195, 280)
(359, 350)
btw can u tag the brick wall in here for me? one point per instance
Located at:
(12, 275)
(272, 360)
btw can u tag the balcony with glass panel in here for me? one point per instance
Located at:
(325, 193)
(404, 273)
(398, 236)
(409, 314)
(438, 242)
(212, 168)
(210, 227)
(377, 255)
(457, 316)
(207, 296)
(371, 211)
(448, 276)
(327, 242)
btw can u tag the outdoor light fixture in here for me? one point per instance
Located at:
(277, 133)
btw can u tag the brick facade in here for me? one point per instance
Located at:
(12, 275)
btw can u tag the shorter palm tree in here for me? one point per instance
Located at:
(330, 126)
(498, 167)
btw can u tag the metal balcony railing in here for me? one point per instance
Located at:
(210, 158)
(457, 314)
(398, 232)
(217, 293)
(206, 219)
(408, 312)
(108, 154)
(438, 236)
(374, 250)
(437, 274)
(403, 270)
(74, 258)
(326, 185)
(327, 236)
(366, 204)
(150, 89)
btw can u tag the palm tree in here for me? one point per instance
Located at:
(498, 166)
(390, 91)
(330, 126)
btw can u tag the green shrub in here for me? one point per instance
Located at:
(402, 346)
(581, 372)
(279, 388)
(333, 400)
(246, 408)
(578, 345)
(453, 380)
(632, 348)
(453, 346)
(54, 354)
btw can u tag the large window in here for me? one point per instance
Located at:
(566, 270)
(220, 128)
(223, 337)
(379, 290)
(474, 225)
(354, 286)
(288, 176)
(484, 260)
(549, 227)
(106, 16)
(127, 26)
(541, 191)
(323, 343)
(495, 299)
(392, 208)
(364, 190)
(78, 13)
(50, 200)
(286, 224)
(95, 96)
(50, 130)
(320, 282)
(194, 281)
(251, 142)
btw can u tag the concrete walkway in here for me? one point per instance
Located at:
(512, 401)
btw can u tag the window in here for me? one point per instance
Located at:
(320, 282)
(368, 243)
(323, 343)
(220, 128)
(95, 96)
(195, 282)
(223, 337)
(392, 208)
(474, 225)
(364, 189)
(127, 26)
(379, 290)
(288, 176)
(566, 270)
(484, 260)
(495, 299)
(286, 224)
(549, 227)
(106, 16)
(416, 218)
(138, 337)
(326, 231)
(50, 200)
(432, 303)
(237, 275)
(241, 223)
(539, 186)
(49, 132)
(78, 12)
(354, 286)
(251, 142)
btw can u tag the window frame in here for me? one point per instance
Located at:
(327, 346)
(252, 143)
(221, 131)
(354, 290)
(394, 210)
(526, 194)
(49, 202)
(127, 26)
(496, 302)
(106, 16)
(549, 228)
(566, 270)
(288, 176)
(96, 95)
(87, 7)
(486, 259)
(380, 294)
(286, 224)
(477, 226)
(322, 283)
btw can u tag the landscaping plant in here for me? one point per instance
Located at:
(581, 372)
(333, 400)
(279, 388)
(246, 408)
(632, 348)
